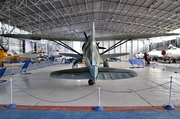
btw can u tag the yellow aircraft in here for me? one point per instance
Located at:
(4, 56)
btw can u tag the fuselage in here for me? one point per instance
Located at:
(172, 53)
(91, 57)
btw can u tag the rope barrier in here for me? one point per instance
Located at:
(129, 91)
(5, 85)
(56, 101)
(176, 83)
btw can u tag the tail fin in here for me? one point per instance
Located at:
(93, 45)
(93, 32)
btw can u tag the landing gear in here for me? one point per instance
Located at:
(90, 82)
(174, 61)
(105, 63)
(2, 65)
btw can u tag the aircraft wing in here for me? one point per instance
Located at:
(12, 57)
(20, 57)
(71, 55)
(105, 73)
(77, 73)
(105, 56)
(43, 36)
(65, 38)
(133, 36)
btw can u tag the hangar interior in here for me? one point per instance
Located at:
(72, 18)
(41, 88)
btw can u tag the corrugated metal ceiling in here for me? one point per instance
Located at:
(73, 17)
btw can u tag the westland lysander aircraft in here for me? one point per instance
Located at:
(4, 56)
(172, 53)
(91, 55)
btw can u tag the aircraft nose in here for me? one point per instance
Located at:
(163, 52)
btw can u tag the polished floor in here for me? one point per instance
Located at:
(149, 89)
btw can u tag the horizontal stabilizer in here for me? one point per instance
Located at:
(106, 73)
(105, 56)
(78, 73)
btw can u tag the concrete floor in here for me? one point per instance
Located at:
(149, 89)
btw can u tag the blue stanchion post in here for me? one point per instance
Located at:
(98, 108)
(54, 62)
(163, 67)
(49, 62)
(11, 105)
(175, 69)
(169, 106)
(43, 63)
(12, 69)
(35, 65)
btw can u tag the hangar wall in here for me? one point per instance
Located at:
(10, 43)
(16, 44)
(131, 47)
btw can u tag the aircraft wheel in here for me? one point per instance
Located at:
(2, 65)
(174, 61)
(90, 82)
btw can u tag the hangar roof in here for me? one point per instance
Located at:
(72, 17)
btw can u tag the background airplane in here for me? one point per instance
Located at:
(91, 55)
(172, 53)
(4, 56)
(152, 55)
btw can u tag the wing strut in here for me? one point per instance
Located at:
(115, 45)
(66, 46)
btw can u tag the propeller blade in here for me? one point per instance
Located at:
(85, 35)
(101, 47)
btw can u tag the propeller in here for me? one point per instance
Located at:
(76, 62)
(99, 46)
(85, 35)
(97, 43)
(105, 63)
(79, 59)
